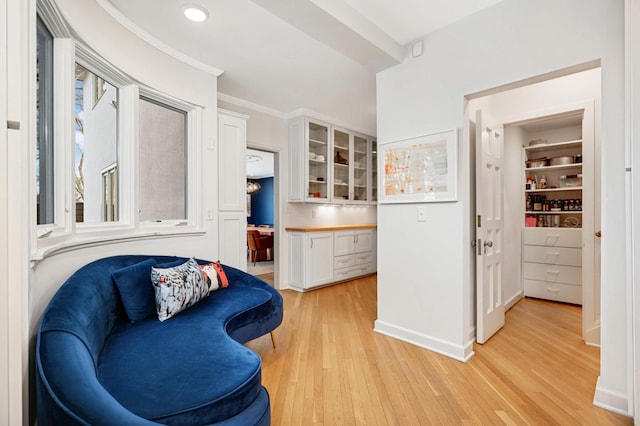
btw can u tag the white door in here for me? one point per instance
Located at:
(489, 227)
(232, 176)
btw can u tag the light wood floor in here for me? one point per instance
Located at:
(330, 368)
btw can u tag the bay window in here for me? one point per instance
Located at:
(122, 162)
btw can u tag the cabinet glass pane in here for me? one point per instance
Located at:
(318, 161)
(374, 170)
(360, 166)
(340, 165)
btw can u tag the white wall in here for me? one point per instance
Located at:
(268, 130)
(423, 290)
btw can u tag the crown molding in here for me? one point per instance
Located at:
(139, 32)
(252, 106)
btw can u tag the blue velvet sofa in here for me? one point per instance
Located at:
(96, 367)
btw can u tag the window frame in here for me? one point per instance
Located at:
(64, 234)
(94, 64)
(193, 139)
(45, 127)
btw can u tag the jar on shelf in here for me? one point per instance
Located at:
(542, 184)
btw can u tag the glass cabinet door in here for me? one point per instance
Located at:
(341, 159)
(318, 161)
(373, 166)
(360, 166)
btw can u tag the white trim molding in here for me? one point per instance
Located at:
(253, 106)
(611, 400)
(458, 352)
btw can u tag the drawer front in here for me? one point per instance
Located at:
(351, 272)
(344, 261)
(553, 273)
(364, 258)
(553, 237)
(553, 291)
(553, 255)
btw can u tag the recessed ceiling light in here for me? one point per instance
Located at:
(195, 13)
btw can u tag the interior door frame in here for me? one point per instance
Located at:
(590, 315)
(277, 241)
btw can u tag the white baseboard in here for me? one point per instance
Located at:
(513, 300)
(592, 336)
(458, 352)
(611, 400)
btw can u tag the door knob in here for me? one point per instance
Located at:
(488, 243)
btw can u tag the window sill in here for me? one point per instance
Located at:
(80, 243)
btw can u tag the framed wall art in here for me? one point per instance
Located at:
(421, 169)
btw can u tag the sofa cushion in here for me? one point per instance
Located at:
(136, 291)
(172, 380)
(178, 288)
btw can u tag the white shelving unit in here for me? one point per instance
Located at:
(552, 237)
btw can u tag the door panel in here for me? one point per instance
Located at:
(489, 227)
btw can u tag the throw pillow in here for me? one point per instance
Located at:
(134, 285)
(178, 288)
(215, 275)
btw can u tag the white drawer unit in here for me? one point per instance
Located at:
(553, 291)
(553, 273)
(553, 255)
(552, 264)
(344, 261)
(553, 237)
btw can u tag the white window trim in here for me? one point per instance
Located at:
(65, 235)
(194, 175)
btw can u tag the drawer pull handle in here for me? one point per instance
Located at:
(553, 290)
(549, 271)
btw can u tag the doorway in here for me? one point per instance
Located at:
(556, 106)
(261, 214)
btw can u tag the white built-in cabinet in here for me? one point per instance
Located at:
(318, 258)
(354, 254)
(329, 164)
(554, 206)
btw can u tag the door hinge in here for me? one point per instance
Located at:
(13, 125)
(479, 221)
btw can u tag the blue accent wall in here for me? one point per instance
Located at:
(262, 203)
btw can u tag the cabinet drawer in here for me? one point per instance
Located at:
(344, 261)
(553, 237)
(364, 258)
(351, 272)
(553, 255)
(553, 273)
(553, 291)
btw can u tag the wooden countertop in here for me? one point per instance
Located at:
(329, 228)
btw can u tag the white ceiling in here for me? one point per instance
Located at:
(286, 55)
(260, 164)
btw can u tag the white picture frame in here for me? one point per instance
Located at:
(420, 170)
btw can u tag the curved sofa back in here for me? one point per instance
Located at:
(95, 301)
